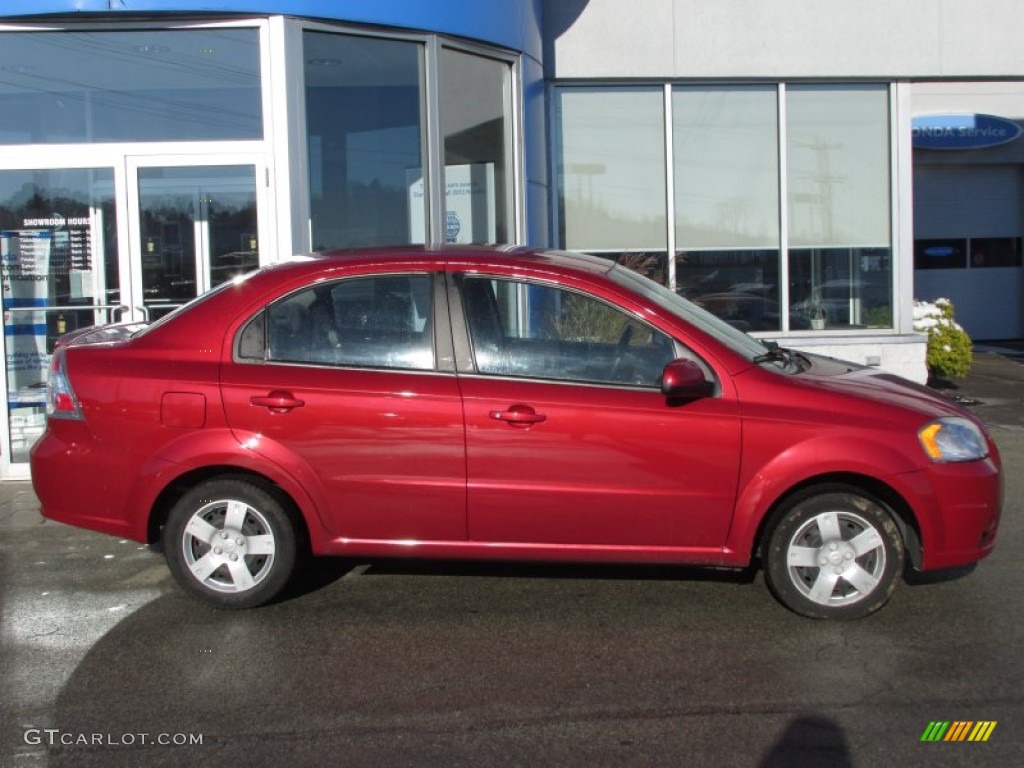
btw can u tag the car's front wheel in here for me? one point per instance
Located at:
(231, 543)
(833, 552)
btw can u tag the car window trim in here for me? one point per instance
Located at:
(441, 328)
(466, 361)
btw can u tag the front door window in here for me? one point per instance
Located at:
(543, 332)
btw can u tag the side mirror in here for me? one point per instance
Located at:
(684, 380)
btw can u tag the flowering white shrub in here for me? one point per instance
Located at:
(949, 346)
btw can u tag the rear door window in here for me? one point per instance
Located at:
(371, 322)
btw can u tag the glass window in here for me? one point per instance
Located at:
(539, 331)
(741, 286)
(726, 165)
(58, 257)
(140, 85)
(726, 172)
(950, 253)
(840, 288)
(838, 180)
(727, 211)
(475, 108)
(995, 252)
(611, 171)
(252, 341)
(176, 205)
(738, 341)
(837, 145)
(364, 117)
(375, 322)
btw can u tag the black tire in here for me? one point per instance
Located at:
(833, 552)
(229, 542)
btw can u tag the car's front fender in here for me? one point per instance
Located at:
(764, 484)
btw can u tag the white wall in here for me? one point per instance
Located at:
(999, 97)
(784, 38)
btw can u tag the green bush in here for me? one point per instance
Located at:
(585, 320)
(949, 346)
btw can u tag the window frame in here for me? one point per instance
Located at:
(899, 241)
(513, 196)
(260, 24)
(433, 149)
(437, 322)
(467, 353)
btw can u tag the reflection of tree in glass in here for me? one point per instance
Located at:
(586, 320)
(647, 264)
(30, 202)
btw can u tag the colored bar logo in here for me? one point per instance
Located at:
(958, 730)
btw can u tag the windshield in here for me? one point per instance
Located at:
(738, 341)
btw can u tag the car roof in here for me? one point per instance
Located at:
(254, 287)
(463, 254)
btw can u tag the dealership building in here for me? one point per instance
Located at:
(803, 168)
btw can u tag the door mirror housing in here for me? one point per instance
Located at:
(684, 380)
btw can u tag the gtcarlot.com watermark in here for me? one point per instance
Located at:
(55, 737)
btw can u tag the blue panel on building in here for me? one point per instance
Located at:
(966, 131)
(513, 24)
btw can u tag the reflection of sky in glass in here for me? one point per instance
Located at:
(726, 166)
(838, 165)
(139, 85)
(383, 156)
(612, 168)
(364, 137)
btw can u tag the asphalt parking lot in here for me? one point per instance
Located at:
(104, 662)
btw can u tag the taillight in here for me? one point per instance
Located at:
(61, 402)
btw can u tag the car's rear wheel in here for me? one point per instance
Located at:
(231, 543)
(833, 552)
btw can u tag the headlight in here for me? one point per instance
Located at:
(952, 438)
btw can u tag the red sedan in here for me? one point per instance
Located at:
(502, 404)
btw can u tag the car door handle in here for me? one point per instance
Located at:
(277, 401)
(518, 415)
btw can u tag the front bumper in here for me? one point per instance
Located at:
(958, 506)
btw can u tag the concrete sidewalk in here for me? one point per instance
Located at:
(994, 389)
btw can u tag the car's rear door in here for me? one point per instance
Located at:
(349, 386)
(569, 439)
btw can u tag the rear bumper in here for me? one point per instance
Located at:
(81, 486)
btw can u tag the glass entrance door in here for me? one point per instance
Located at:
(128, 239)
(197, 226)
(59, 270)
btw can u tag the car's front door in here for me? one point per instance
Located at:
(339, 383)
(569, 439)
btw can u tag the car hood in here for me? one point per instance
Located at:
(850, 379)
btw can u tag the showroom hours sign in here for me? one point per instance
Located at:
(44, 263)
(44, 248)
